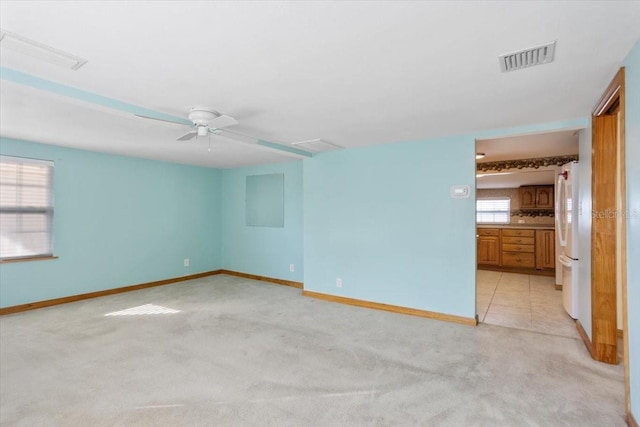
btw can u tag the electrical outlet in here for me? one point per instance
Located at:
(186, 262)
(291, 268)
(338, 282)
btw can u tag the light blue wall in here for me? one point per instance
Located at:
(381, 218)
(118, 221)
(264, 251)
(632, 141)
(584, 224)
(264, 196)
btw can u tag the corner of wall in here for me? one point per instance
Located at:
(584, 224)
(262, 251)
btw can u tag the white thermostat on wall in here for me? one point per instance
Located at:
(460, 191)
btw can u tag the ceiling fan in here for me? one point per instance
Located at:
(205, 121)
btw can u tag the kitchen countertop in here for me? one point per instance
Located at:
(523, 226)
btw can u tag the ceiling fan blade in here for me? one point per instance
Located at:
(222, 122)
(187, 136)
(158, 119)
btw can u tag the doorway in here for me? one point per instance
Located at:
(517, 285)
(605, 308)
(608, 231)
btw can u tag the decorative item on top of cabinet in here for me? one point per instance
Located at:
(545, 249)
(489, 246)
(533, 213)
(536, 197)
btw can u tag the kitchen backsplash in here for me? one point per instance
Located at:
(512, 193)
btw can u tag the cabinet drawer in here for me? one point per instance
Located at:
(518, 248)
(488, 231)
(517, 240)
(515, 259)
(518, 233)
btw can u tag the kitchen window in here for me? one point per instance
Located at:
(493, 210)
(26, 208)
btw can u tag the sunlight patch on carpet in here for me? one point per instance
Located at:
(144, 309)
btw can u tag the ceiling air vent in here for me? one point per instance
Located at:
(316, 145)
(528, 57)
(40, 51)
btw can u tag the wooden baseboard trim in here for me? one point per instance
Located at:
(470, 321)
(585, 337)
(631, 420)
(283, 282)
(89, 295)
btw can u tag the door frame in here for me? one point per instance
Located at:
(602, 348)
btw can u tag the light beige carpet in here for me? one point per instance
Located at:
(243, 353)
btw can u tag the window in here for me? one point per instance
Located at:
(26, 208)
(494, 210)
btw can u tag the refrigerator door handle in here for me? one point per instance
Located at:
(560, 210)
(564, 260)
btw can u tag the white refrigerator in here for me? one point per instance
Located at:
(567, 228)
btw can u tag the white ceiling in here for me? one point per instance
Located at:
(563, 143)
(351, 73)
(533, 146)
(516, 178)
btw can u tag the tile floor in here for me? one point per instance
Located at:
(523, 301)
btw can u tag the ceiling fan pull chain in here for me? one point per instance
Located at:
(209, 142)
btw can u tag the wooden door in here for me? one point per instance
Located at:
(603, 239)
(608, 235)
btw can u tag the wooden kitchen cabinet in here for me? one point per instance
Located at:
(489, 246)
(544, 197)
(518, 233)
(522, 250)
(536, 197)
(518, 248)
(527, 197)
(545, 249)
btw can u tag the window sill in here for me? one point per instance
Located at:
(38, 258)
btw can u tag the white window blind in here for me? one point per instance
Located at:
(26, 208)
(494, 210)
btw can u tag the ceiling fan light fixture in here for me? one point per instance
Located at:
(202, 117)
(203, 130)
(479, 156)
